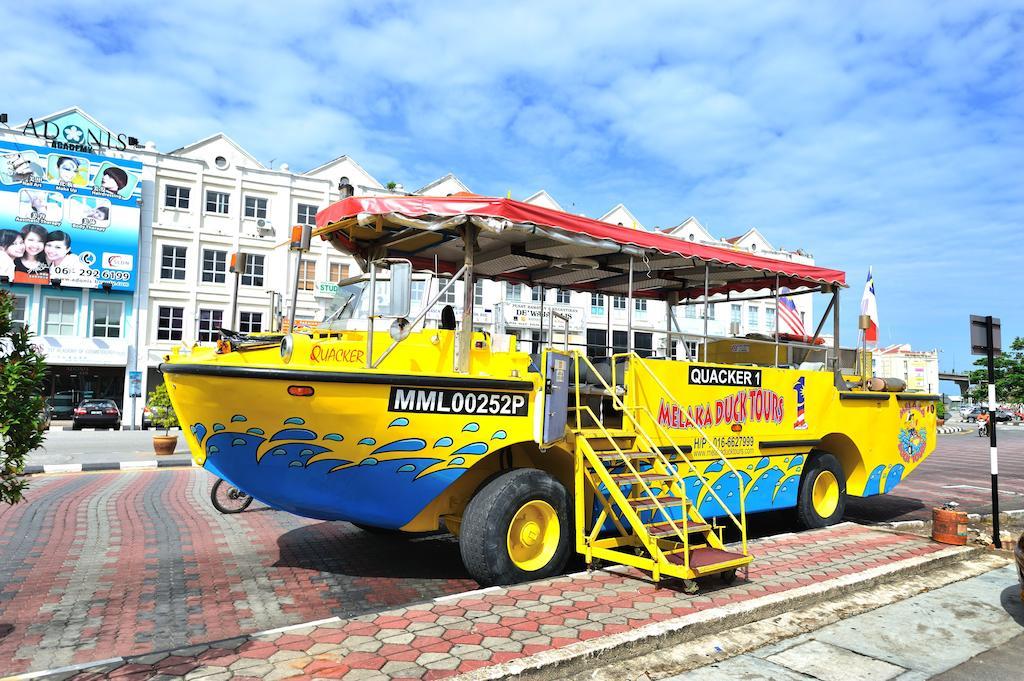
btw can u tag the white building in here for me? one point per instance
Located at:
(200, 204)
(920, 369)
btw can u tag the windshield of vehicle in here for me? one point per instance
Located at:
(98, 404)
(352, 302)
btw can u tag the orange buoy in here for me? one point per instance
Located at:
(949, 527)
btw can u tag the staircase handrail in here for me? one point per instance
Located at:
(740, 523)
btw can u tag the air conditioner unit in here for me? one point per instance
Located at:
(263, 226)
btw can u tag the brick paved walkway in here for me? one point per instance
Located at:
(94, 566)
(473, 631)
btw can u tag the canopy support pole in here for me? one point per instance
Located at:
(465, 345)
(629, 311)
(837, 367)
(776, 321)
(608, 324)
(670, 310)
(543, 296)
(707, 286)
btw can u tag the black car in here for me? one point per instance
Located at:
(97, 414)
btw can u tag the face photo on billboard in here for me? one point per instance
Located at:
(31, 266)
(115, 180)
(39, 205)
(67, 170)
(21, 167)
(89, 212)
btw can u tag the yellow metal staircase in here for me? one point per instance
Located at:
(636, 474)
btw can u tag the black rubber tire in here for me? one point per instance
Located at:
(240, 505)
(486, 520)
(75, 426)
(807, 517)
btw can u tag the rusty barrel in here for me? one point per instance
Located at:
(949, 527)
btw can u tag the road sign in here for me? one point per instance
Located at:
(134, 384)
(980, 338)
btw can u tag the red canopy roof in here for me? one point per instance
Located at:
(520, 214)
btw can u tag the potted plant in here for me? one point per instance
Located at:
(940, 413)
(163, 416)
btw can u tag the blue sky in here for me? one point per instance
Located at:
(888, 134)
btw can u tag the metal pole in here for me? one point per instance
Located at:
(273, 311)
(776, 320)
(234, 302)
(295, 292)
(371, 311)
(543, 295)
(608, 324)
(670, 344)
(837, 371)
(707, 286)
(993, 452)
(465, 343)
(629, 311)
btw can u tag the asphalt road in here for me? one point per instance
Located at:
(99, 446)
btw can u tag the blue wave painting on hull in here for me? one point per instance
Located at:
(288, 475)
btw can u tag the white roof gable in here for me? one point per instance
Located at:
(209, 149)
(752, 240)
(691, 229)
(443, 186)
(620, 215)
(543, 199)
(341, 167)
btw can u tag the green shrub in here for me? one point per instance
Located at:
(161, 409)
(22, 378)
(940, 409)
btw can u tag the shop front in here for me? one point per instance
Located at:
(81, 369)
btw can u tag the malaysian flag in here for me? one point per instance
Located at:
(789, 316)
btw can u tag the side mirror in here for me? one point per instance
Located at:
(401, 288)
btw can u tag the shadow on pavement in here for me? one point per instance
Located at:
(343, 549)
(882, 509)
(1012, 603)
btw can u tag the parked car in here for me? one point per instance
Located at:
(972, 415)
(61, 407)
(97, 414)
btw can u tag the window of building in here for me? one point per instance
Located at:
(691, 350)
(752, 316)
(250, 322)
(417, 288)
(563, 296)
(172, 262)
(170, 322)
(255, 207)
(769, 318)
(643, 343)
(106, 319)
(306, 214)
(597, 303)
(448, 297)
(307, 275)
(597, 342)
(619, 341)
(337, 271)
(736, 314)
(711, 311)
(210, 322)
(536, 293)
(640, 307)
(690, 311)
(619, 302)
(215, 266)
(176, 197)
(254, 269)
(60, 317)
(513, 292)
(20, 315)
(478, 293)
(217, 202)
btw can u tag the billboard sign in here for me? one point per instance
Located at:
(68, 217)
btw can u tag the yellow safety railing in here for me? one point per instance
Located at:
(636, 360)
(670, 468)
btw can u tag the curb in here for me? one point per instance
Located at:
(947, 430)
(179, 462)
(576, 659)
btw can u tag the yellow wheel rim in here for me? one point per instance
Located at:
(533, 535)
(825, 494)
